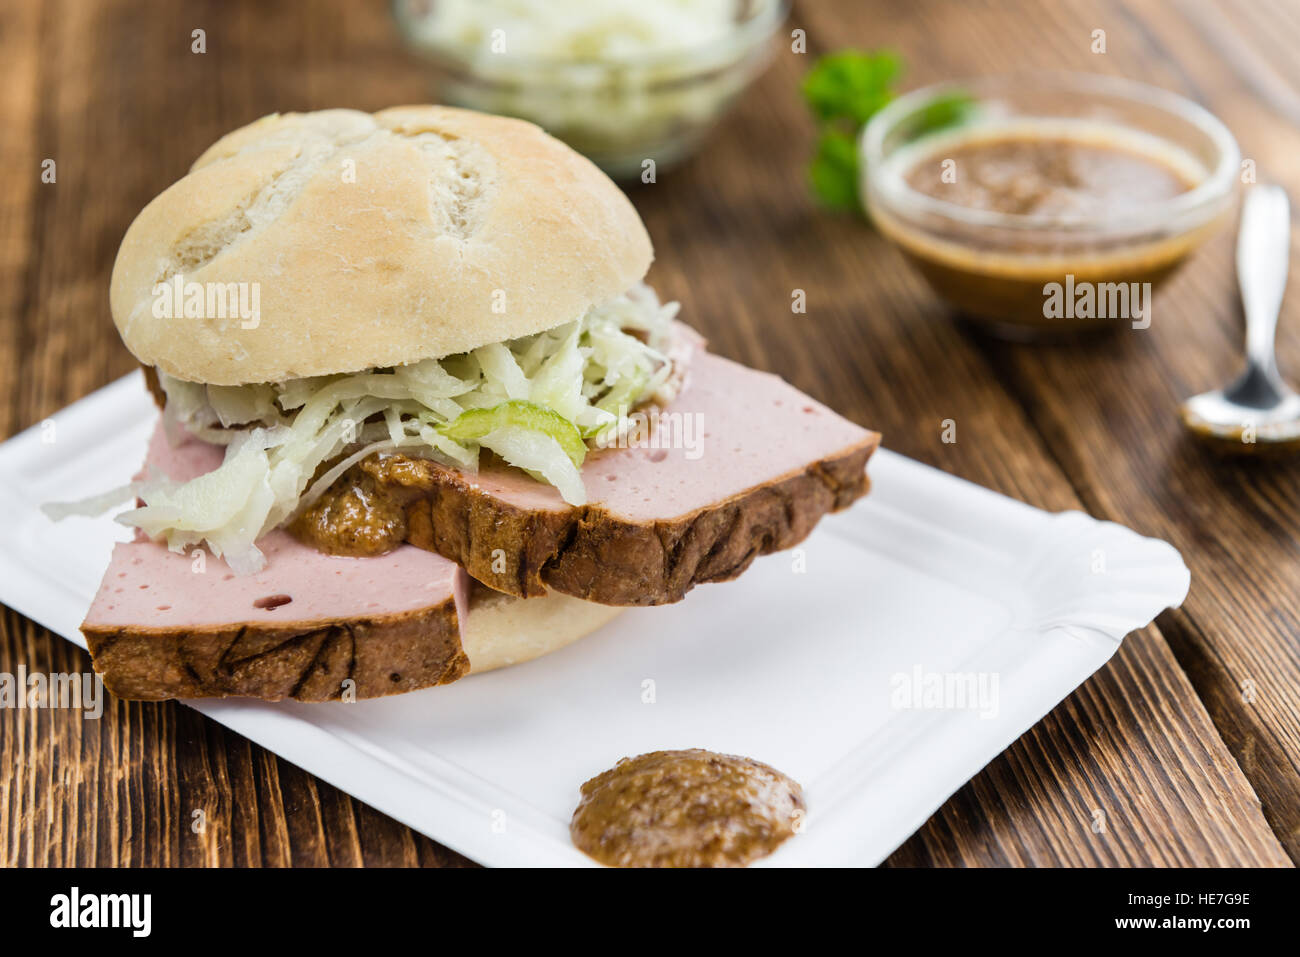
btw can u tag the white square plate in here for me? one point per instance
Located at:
(801, 663)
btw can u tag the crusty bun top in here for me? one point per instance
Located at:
(373, 241)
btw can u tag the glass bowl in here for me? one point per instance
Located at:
(618, 109)
(1006, 268)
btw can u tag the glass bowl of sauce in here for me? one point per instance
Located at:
(1057, 203)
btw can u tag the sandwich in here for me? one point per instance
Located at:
(421, 416)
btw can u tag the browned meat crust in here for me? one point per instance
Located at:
(381, 656)
(592, 554)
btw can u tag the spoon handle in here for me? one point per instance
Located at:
(1263, 254)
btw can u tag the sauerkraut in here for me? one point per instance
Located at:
(537, 402)
(586, 30)
(619, 80)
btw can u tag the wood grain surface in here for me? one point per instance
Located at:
(1187, 744)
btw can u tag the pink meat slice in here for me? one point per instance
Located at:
(148, 587)
(739, 464)
(731, 429)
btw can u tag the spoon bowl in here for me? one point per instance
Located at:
(1258, 412)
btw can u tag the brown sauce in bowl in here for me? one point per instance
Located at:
(1047, 176)
(1054, 180)
(691, 808)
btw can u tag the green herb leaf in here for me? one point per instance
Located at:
(939, 113)
(834, 170)
(844, 90)
(851, 85)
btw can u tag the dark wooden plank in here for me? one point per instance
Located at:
(942, 41)
(122, 790)
(20, 96)
(122, 125)
(1107, 410)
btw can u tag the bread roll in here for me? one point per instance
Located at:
(372, 240)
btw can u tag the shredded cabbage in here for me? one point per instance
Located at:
(589, 30)
(474, 424)
(536, 402)
(619, 80)
(93, 505)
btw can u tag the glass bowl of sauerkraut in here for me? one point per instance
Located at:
(629, 83)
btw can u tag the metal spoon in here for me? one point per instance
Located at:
(1258, 411)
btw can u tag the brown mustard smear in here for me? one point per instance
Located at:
(356, 516)
(691, 808)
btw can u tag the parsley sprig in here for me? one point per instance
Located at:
(844, 90)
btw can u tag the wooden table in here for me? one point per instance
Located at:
(1188, 741)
